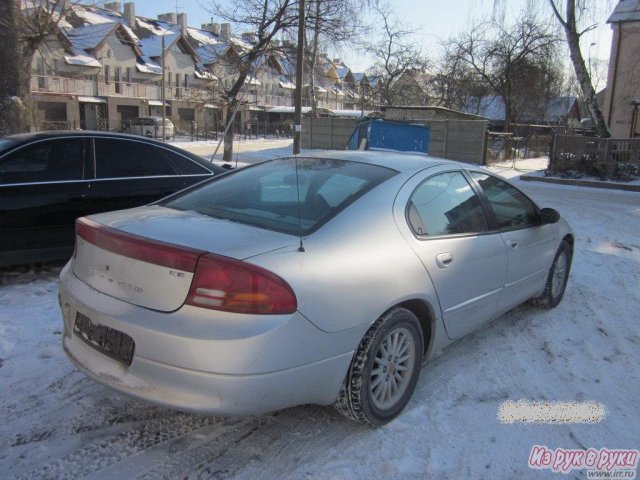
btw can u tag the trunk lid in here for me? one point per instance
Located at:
(147, 256)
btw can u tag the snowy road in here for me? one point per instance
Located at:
(57, 424)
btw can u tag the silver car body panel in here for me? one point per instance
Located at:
(155, 286)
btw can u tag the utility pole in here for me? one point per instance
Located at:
(297, 116)
(162, 95)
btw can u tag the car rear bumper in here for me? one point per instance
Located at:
(209, 362)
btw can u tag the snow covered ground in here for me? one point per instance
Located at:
(57, 424)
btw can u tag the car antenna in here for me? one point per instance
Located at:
(301, 247)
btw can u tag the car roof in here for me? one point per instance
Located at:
(21, 137)
(45, 135)
(400, 161)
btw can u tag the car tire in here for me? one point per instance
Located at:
(384, 370)
(557, 278)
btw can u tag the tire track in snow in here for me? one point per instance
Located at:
(109, 451)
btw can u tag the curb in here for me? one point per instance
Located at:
(582, 183)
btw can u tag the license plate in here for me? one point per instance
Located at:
(106, 340)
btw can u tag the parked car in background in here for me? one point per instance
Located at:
(304, 280)
(49, 179)
(151, 127)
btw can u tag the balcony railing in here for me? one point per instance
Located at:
(72, 86)
(84, 87)
(150, 91)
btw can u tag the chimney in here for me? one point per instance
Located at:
(225, 28)
(182, 21)
(130, 14)
(168, 17)
(211, 27)
(113, 6)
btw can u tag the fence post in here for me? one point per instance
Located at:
(552, 153)
(331, 131)
(606, 157)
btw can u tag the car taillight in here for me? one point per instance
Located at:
(221, 283)
(137, 247)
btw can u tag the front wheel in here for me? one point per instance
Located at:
(557, 278)
(384, 369)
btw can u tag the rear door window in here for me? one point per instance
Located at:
(266, 195)
(44, 161)
(116, 158)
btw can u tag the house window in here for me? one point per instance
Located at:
(118, 85)
(186, 80)
(40, 72)
(169, 76)
(128, 74)
(107, 74)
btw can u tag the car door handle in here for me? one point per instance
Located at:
(444, 259)
(513, 244)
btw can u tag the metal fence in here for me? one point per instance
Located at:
(606, 158)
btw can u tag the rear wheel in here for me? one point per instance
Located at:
(557, 278)
(384, 369)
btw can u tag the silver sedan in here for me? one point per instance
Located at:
(326, 280)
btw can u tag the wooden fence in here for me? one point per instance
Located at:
(600, 157)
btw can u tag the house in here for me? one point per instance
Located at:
(413, 87)
(562, 110)
(622, 103)
(104, 67)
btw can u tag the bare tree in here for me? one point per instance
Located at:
(331, 22)
(267, 18)
(24, 29)
(456, 82)
(394, 52)
(574, 11)
(506, 59)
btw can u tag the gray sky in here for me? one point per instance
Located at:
(434, 20)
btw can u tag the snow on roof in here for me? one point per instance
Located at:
(489, 107)
(88, 37)
(252, 80)
(373, 80)
(286, 109)
(558, 108)
(150, 33)
(286, 83)
(357, 77)
(203, 36)
(335, 89)
(319, 88)
(626, 11)
(203, 74)
(82, 60)
(342, 72)
(239, 42)
(146, 65)
(351, 113)
(130, 32)
(95, 16)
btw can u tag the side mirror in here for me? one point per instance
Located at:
(549, 215)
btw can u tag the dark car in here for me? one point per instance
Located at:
(49, 179)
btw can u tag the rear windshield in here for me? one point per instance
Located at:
(266, 195)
